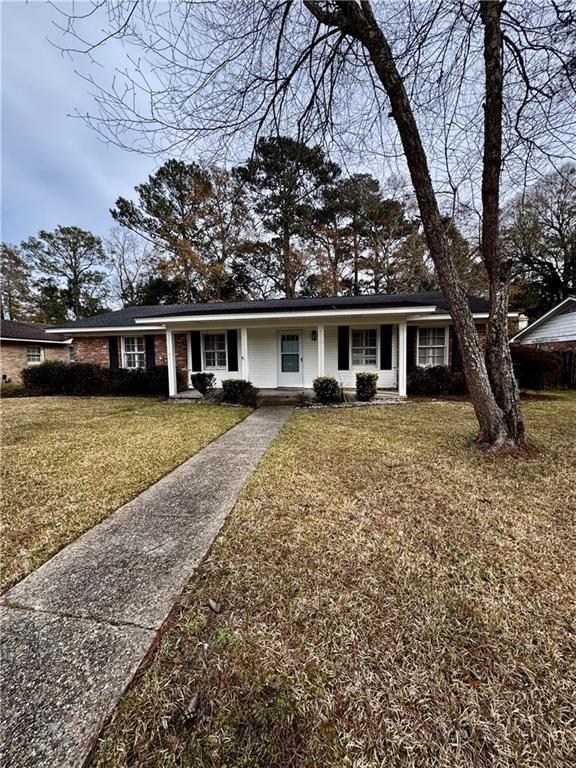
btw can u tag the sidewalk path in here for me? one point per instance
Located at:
(75, 631)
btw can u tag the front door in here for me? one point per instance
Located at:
(290, 359)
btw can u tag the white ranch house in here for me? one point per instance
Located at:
(279, 344)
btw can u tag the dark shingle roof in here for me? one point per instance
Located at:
(17, 329)
(125, 317)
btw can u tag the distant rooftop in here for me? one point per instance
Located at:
(18, 329)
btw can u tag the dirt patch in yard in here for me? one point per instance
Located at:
(385, 596)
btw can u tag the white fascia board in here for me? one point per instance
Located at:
(247, 316)
(38, 341)
(112, 329)
(475, 315)
(547, 316)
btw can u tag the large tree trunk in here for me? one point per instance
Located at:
(358, 21)
(498, 358)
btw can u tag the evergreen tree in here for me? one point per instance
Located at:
(285, 179)
(69, 259)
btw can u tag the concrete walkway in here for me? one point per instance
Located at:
(75, 631)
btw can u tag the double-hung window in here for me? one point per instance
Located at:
(134, 354)
(33, 354)
(215, 350)
(364, 347)
(432, 347)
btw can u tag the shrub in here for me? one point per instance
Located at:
(48, 378)
(366, 386)
(240, 391)
(537, 368)
(436, 380)
(57, 378)
(327, 390)
(204, 382)
(15, 390)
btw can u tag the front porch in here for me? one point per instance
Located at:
(283, 359)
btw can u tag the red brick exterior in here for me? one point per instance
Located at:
(95, 349)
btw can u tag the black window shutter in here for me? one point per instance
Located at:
(113, 351)
(385, 347)
(232, 344)
(150, 351)
(343, 348)
(456, 353)
(411, 348)
(196, 350)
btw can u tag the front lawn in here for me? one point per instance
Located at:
(68, 462)
(389, 597)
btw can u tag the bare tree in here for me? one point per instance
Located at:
(131, 260)
(492, 84)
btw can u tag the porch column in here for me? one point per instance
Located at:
(320, 334)
(244, 353)
(171, 361)
(402, 358)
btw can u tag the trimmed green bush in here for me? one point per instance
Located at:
(57, 378)
(366, 386)
(327, 390)
(436, 380)
(204, 382)
(537, 368)
(240, 392)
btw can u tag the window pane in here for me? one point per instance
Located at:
(290, 344)
(215, 350)
(431, 346)
(134, 343)
(364, 347)
(290, 363)
(33, 354)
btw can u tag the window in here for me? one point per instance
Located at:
(71, 353)
(34, 354)
(215, 350)
(364, 347)
(134, 356)
(432, 347)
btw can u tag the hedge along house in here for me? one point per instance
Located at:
(279, 344)
(555, 331)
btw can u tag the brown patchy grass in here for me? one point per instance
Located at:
(68, 462)
(390, 597)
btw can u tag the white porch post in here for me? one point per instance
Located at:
(244, 353)
(402, 358)
(320, 334)
(171, 361)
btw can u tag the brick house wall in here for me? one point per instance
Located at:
(95, 349)
(13, 357)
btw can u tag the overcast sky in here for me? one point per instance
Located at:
(55, 170)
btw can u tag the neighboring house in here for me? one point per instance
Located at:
(25, 344)
(280, 343)
(556, 331)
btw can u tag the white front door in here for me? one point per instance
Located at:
(290, 359)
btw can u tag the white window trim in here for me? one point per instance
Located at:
(35, 362)
(376, 365)
(426, 327)
(123, 352)
(214, 367)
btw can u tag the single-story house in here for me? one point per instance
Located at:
(279, 343)
(555, 331)
(25, 344)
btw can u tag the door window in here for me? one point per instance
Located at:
(290, 353)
